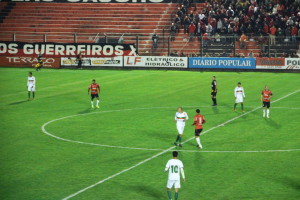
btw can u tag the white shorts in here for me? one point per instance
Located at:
(239, 100)
(174, 183)
(31, 88)
(180, 128)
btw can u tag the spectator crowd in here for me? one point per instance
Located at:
(278, 19)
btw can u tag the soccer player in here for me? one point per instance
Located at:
(40, 63)
(180, 118)
(266, 95)
(95, 90)
(31, 86)
(239, 95)
(198, 123)
(214, 91)
(175, 167)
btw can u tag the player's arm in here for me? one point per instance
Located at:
(175, 118)
(234, 92)
(203, 120)
(215, 86)
(98, 88)
(187, 117)
(244, 93)
(167, 167)
(195, 121)
(89, 90)
(262, 96)
(182, 174)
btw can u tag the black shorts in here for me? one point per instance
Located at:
(214, 93)
(94, 96)
(266, 104)
(198, 131)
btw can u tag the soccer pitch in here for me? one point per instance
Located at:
(57, 147)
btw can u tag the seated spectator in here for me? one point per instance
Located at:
(155, 38)
(243, 40)
(224, 54)
(250, 54)
(206, 55)
(205, 39)
(182, 54)
(174, 54)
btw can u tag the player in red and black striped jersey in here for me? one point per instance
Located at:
(266, 95)
(95, 90)
(198, 123)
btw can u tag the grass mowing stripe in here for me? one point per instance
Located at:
(156, 155)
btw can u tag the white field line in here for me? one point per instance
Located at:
(166, 150)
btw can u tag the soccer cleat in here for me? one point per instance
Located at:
(175, 143)
(200, 147)
(233, 110)
(243, 111)
(92, 106)
(180, 145)
(97, 106)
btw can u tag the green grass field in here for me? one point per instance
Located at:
(137, 111)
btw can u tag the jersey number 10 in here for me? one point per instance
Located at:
(174, 168)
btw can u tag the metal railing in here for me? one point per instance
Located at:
(179, 45)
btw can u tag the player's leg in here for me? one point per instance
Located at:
(92, 100)
(197, 137)
(97, 103)
(28, 95)
(177, 187)
(180, 132)
(169, 187)
(268, 109)
(234, 107)
(242, 106)
(215, 98)
(264, 109)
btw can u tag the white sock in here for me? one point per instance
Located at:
(97, 102)
(92, 103)
(198, 141)
(268, 112)
(264, 112)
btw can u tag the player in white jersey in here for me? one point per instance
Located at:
(239, 95)
(175, 167)
(31, 85)
(180, 118)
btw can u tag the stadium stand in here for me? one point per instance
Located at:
(30, 21)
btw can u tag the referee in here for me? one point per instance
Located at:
(214, 91)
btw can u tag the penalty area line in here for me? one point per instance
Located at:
(167, 150)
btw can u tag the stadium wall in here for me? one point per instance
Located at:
(56, 55)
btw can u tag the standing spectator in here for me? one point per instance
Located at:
(294, 33)
(280, 35)
(186, 24)
(219, 25)
(155, 38)
(177, 22)
(209, 29)
(205, 39)
(243, 40)
(183, 10)
(272, 35)
(173, 31)
(192, 29)
(186, 3)
(261, 42)
(288, 33)
(179, 13)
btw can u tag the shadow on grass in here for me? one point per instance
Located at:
(18, 102)
(215, 109)
(272, 123)
(148, 191)
(86, 111)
